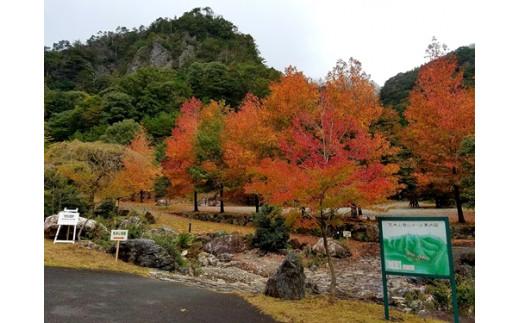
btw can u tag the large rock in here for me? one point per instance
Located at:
(146, 253)
(289, 280)
(91, 228)
(335, 249)
(207, 259)
(231, 243)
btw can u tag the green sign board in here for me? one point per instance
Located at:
(416, 246)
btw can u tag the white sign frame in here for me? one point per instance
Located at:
(67, 217)
(114, 234)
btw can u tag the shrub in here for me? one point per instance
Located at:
(170, 244)
(441, 292)
(271, 231)
(184, 240)
(135, 230)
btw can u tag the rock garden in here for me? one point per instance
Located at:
(271, 262)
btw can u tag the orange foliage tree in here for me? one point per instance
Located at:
(180, 151)
(139, 169)
(440, 115)
(327, 156)
(247, 139)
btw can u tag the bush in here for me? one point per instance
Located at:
(135, 230)
(170, 244)
(184, 240)
(271, 232)
(441, 292)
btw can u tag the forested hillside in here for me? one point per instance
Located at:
(102, 88)
(396, 89)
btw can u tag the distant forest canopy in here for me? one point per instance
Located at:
(396, 89)
(145, 74)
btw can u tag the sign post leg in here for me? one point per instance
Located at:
(454, 299)
(117, 249)
(385, 297)
(57, 233)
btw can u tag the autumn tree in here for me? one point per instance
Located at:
(328, 157)
(139, 169)
(209, 169)
(440, 115)
(180, 151)
(247, 139)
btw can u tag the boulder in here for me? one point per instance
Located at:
(289, 280)
(146, 253)
(231, 243)
(225, 257)
(335, 249)
(367, 232)
(207, 259)
(92, 228)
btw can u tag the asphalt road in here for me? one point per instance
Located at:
(92, 296)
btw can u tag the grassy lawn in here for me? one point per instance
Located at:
(318, 310)
(74, 256)
(181, 224)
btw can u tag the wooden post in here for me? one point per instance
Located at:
(117, 249)
(189, 227)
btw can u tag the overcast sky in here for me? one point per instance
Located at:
(388, 37)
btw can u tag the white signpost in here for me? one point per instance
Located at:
(118, 235)
(69, 218)
(347, 234)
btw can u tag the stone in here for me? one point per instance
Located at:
(92, 229)
(225, 257)
(231, 243)
(145, 253)
(207, 259)
(335, 249)
(289, 280)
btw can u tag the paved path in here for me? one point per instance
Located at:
(90, 296)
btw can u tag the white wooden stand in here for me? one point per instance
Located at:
(67, 218)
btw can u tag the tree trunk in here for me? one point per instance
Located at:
(458, 202)
(195, 202)
(257, 203)
(221, 198)
(141, 196)
(332, 290)
(353, 211)
(360, 212)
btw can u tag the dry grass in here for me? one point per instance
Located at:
(74, 256)
(181, 224)
(318, 310)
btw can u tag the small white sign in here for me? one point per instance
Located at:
(119, 235)
(68, 218)
(347, 234)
